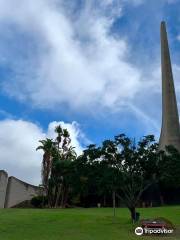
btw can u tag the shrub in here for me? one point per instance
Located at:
(39, 201)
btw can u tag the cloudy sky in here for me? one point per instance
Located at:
(91, 65)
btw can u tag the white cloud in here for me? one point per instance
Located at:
(178, 37)
(18, 143)
(75, 59)
(74, 130)
(171, 1)
(138, 2)
(135, 2)
(80, 62)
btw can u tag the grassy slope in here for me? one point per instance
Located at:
(76, 224)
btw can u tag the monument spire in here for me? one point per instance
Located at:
(170, 129)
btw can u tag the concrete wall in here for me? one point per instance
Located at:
(3, 186)
(14, 191)
(19, 191)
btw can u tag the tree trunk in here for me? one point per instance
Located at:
(161, 199)
(66, 197)
(49, 198)
(104, 201)
(114, 205)
(54, 196)
(58, 195)
(62, 199)
(133, 214)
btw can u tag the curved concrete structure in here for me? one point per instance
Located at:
(3, 186)
(14, 191)
(19, 191)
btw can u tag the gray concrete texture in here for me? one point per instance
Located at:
(3, 186)
(170, 129)
(14, 191)
(19, 191)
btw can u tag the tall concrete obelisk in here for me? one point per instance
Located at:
(170, 129)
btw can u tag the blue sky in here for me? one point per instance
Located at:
(92, 65)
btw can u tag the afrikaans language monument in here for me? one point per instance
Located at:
(14, 191)
(170, 129)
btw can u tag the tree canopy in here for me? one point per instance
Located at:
(119, 166)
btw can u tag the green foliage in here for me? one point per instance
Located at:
(124, 167)
(119, 165)
(56, 166)
(169, 167)
(48, 147)
(39, 201)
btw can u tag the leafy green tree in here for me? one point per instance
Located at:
(169, 167)
(121, 166)
(138, 167)
(169, 170)
(118, 166)
(129, 169)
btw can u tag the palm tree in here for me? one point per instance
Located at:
(59, 132)
(47, 146)
(57, 154)
(66, 152)
(66, 140)
(63, 138)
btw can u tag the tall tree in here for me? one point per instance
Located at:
(47, 146)
(57, 158)
(138, 166)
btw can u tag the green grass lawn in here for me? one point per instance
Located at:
(77, 224)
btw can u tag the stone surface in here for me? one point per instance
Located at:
(170, 129)
(19, 191)
(14, 191)
(3, 186)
